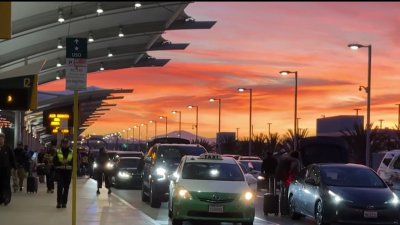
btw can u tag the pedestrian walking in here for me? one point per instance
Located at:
(102, 160)
(268, 169)
(288, 167)
(7, 162)
(63, 164)
(21, 157)
(49, 168)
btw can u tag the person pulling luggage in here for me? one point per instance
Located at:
(102, 160)
(7, 162)
(63, 164)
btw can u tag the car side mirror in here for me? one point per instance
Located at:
(311, 182)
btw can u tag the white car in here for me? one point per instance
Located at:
(389, 169)
(210, 187)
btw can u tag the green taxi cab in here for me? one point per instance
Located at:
(210, 187)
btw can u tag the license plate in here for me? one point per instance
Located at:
(370, 214)
(216, 208)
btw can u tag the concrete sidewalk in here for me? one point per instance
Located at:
(40, 208)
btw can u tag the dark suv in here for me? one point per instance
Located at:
(161, 161)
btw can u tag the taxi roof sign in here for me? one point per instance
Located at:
(210, 156)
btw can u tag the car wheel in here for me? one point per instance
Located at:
(169, 209)
(247, 223)
(292, 210)
(154, 200)
(176, 222)
(319, 213)
(145, 198)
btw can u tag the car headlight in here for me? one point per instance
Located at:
(160, 172)
(183, 193)
(247, 196)
(336, 198)
(110, 165)
(260, 178)
(394, 200)
(123, 174)
(94, 165)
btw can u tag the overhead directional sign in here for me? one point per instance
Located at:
(76, 65)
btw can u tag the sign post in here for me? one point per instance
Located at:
(76, 72)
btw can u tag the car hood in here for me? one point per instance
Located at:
(214, 186)
(363, 196)
(128, 169)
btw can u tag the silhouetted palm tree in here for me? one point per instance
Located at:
(228, 145)
(203, 142)
(273, 143)
(288, 139)
(259, 144)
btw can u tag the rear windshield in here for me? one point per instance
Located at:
(212, 171)
(321, 153)
(125, 163)
(350, 177)
(256, 165)
(173, 154)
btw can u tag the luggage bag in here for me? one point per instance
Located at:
(271, 201)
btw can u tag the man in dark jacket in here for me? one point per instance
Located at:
(102, 162)
(21, 156)
(63, 164)
(268, 168)
(7, 161)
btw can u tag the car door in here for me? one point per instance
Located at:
(147, 166)
(311, 190)
(298, 189)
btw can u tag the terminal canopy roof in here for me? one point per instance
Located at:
(38, 35)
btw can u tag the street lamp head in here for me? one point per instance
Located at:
(191, 106)
(212, 99)
(284, 73)
(355, 46)
(241, 89)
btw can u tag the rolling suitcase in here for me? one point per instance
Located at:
(271, 201)
(31, 183)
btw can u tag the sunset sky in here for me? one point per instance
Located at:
(247, 47)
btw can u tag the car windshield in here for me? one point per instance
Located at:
(129, 154)
(255, 164)
(125, 163)
(173, 154)
(212, 171)
(350, 177)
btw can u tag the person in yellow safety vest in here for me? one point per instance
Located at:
(63, 165)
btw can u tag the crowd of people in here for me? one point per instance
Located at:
(53, 165)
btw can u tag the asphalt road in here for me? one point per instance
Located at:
(160, 215)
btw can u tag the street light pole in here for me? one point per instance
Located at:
(250, 127)
(285, 73)
(237, 133)
(197, 120)
(219, 112)
(139, 138)
(166, 125)
(357, 109)
(180, 121)
(380, 126)
(269, 129)
(398, 118)
(155, 127)
(368, 90)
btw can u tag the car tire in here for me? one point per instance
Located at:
(248, 223)
(154, 200)
(319, 213)
(292, 210)
(169, 209)
(145, 198)
(176, 222)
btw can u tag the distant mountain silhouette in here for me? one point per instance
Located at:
(186, 135)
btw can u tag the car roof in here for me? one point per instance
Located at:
(169, 144)
(249, 160)
(193, 158)
(393, 152)
(123, 158)
(342, 165)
